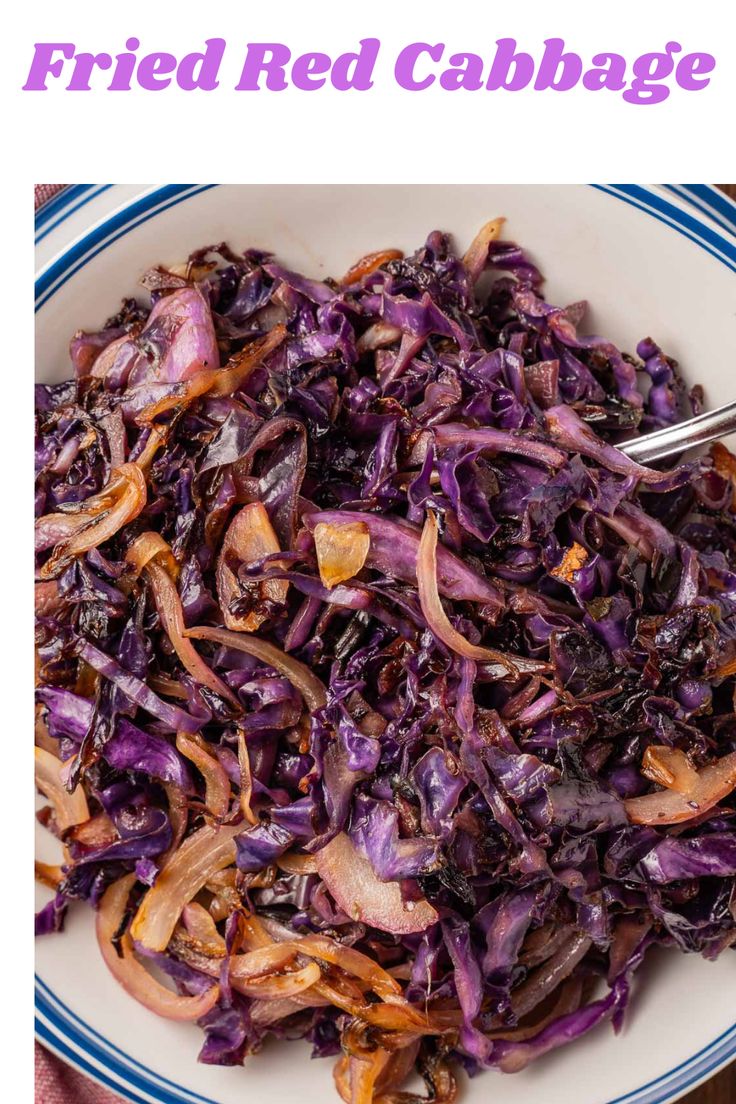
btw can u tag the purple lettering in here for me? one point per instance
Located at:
(407, 59)
(356, 70)
(467, 73)
(199, 70)
(523, 67)
(83, 66)
(270, 58)
(152, 69)
(308, 71)
(44, 65)
(549, 75)
(124, 68)
(609, 72)
(691, 66)
(649, 70)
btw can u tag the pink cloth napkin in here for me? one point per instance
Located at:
(56, 1082)
(44, 192)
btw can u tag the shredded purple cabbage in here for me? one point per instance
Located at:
(503, 800)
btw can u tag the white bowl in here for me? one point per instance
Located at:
(650, 264)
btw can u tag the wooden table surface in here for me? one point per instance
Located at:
(720, 1089)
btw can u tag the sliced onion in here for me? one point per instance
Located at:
(170, 687)
(378, 336)
(217, 783)
(368, 264)
(498, 440)
(250, 537)
(131, 974)
(262, 962)
(271, 1011)
(168, 605)
(567, 999)
(669, 767)
(477, 254)
(48, 874)
(355, 1078)
(386, 1017)
(710, 785)
(98, 831)
(178, 817)
(51, 529)
(128, 484)
(544, 980)
(352, 881)
(246, 778)
(200, 925)
(433, 610)
(181, 878)
(172, 395)
(156, 437)
(299, 674)
(151, 546)
(239, 367)
(352, 962)
(69, 808)
(341, 550)
(256, 973)
(279, 985)
(293, 863)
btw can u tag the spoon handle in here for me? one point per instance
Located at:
(686, 435)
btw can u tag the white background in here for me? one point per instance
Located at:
(385, 134)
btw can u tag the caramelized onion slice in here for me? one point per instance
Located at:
(202, 928)
(246, 778)
(368, 264)
(127, 489)
(352, 881)
(69, 808)
(131, 974)
(477, 253)
(433, 610)
(669, 767)
(249, 538)
(546, 978)
(711, 785)
(178, 394)
(299, 674)
(168, 605)
(239, 367)
(210, 849)
(294, 863)
(151, 546)
(217, 783)
(352, 962)
(341, 550)
(279, 985)
(48, 874)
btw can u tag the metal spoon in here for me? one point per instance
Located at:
(677, 438)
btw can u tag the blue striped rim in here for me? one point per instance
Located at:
(710, 201)
(712, 241)
(57, 1025)
(57, 209)
(108, 232)
(57, 202)
(58, 1014)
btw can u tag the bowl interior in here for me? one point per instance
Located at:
(642, 278)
